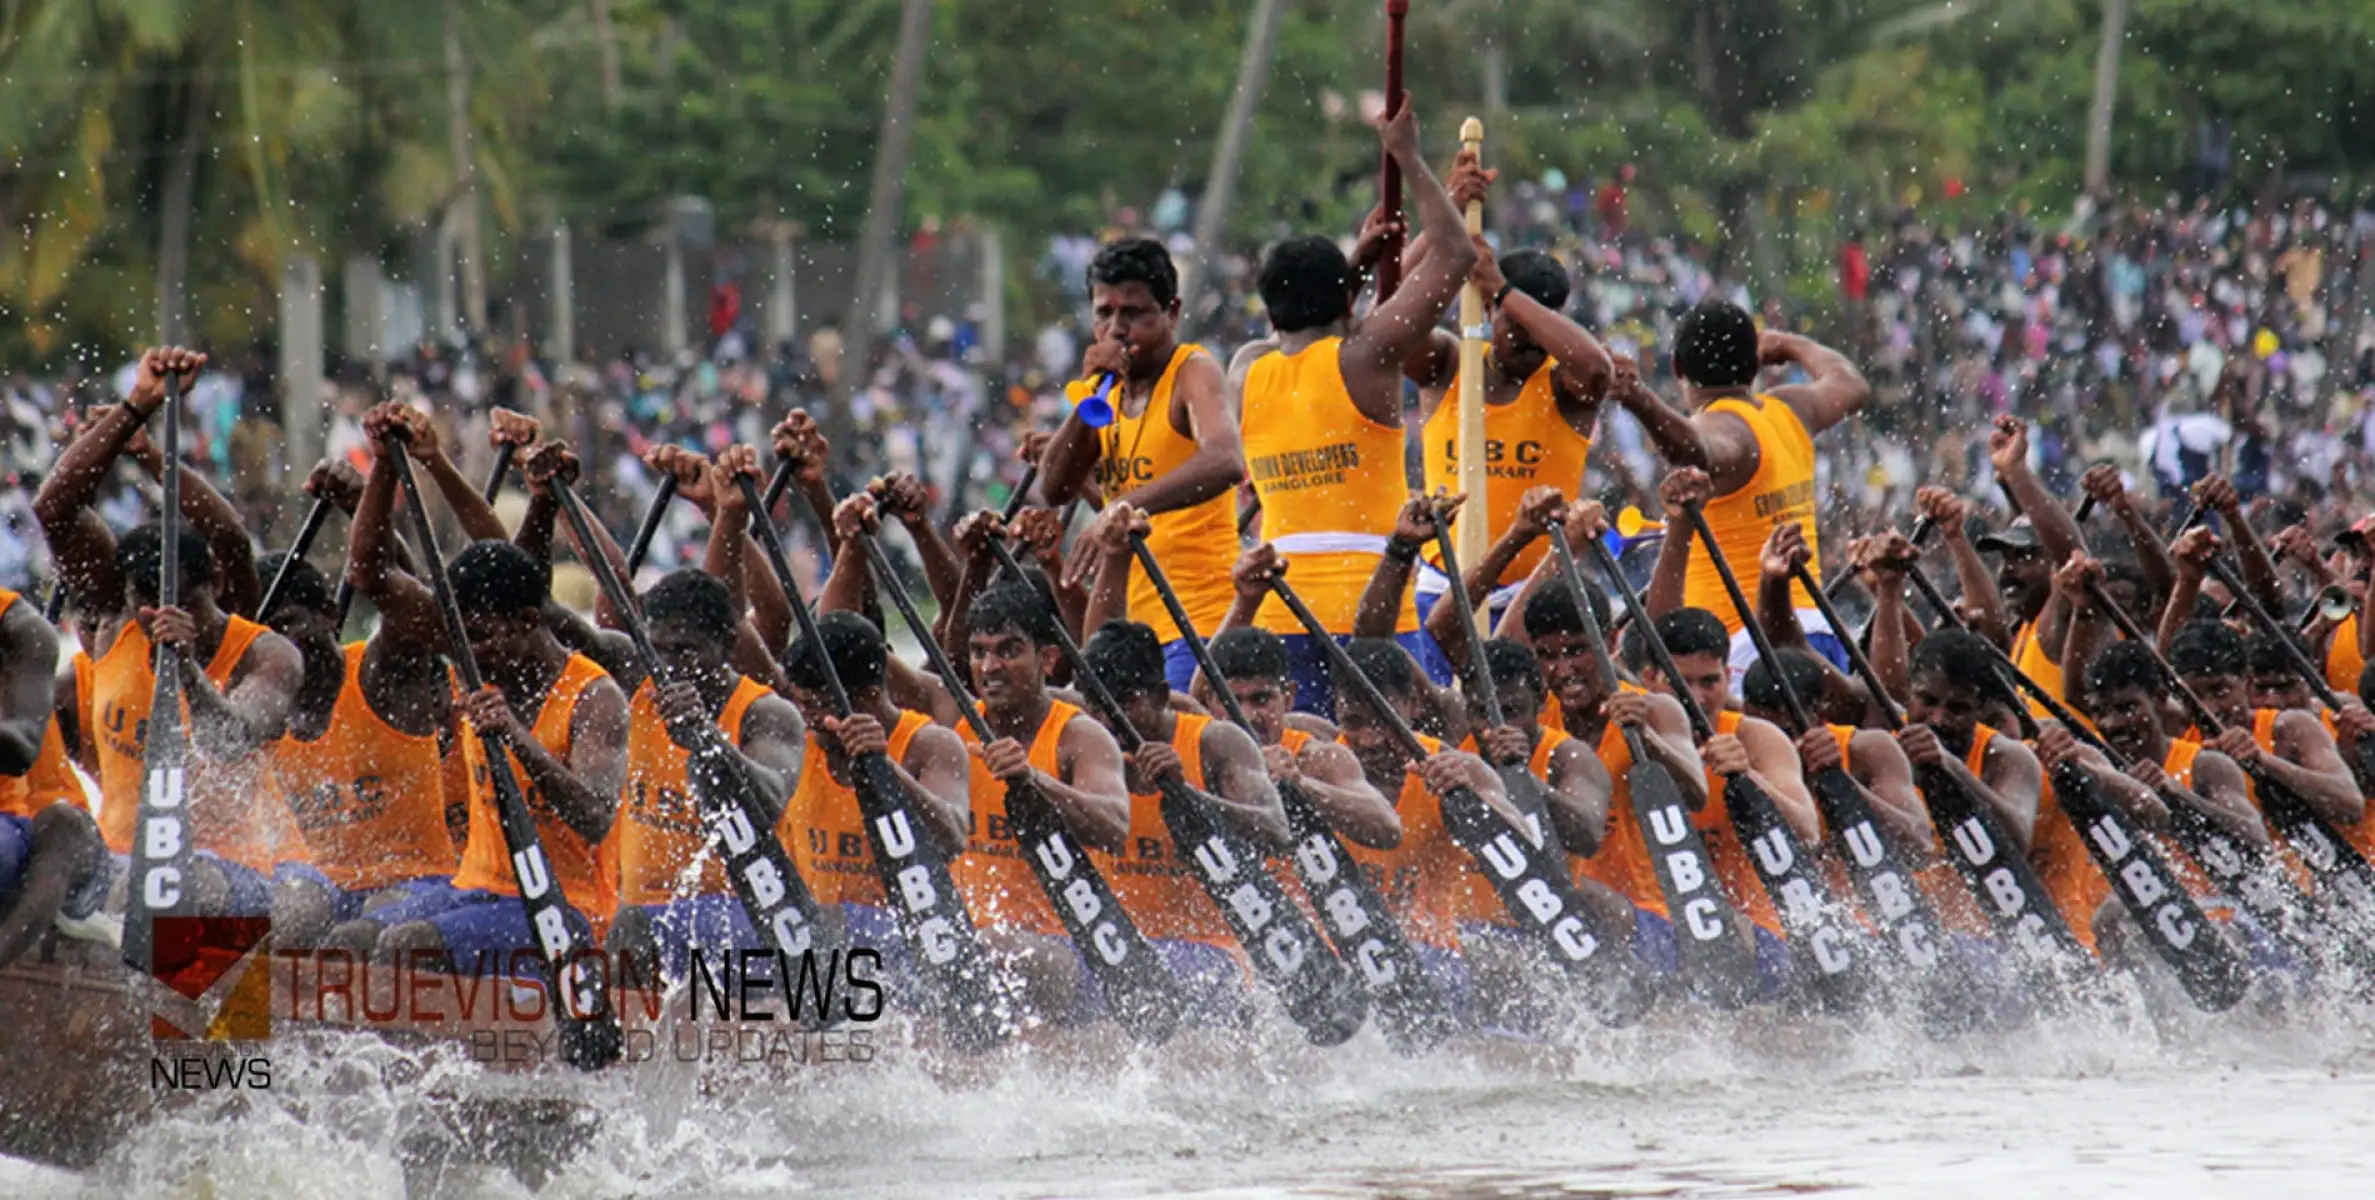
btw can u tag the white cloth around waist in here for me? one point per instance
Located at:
(1330, 543)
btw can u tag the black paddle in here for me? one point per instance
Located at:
(2339, 868)
(162, 848)
(1525, 791)
(1975, 840)
(574, 973)
(2364, 751)
(763, 876)
(2250, 875)
(315, 515)
(1363, 926)
(1319, 993)
(1718, 963)
(1890, 891)
(1139, 990)
(913, 866)
(1535, 885)
(650, 527)
(1798, 891)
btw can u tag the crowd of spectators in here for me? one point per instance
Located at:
(2170, 341)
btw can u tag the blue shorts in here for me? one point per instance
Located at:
(484, 933)
(1211, 979)
(16, 854)
(250, 892)
(1999, 996)
(347, 904)
(1452, 979)
(1179, 665)
(1315, 686)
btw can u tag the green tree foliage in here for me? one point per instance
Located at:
(321, 126)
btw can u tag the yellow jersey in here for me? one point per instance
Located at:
(1331, 482)
(1527, 443)
(1781, 490)
(1196, 545)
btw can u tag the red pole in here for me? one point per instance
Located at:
(1389, 176)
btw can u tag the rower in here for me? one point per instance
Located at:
(1300, 747)
(1170, 447)
(52, 861)
(1011, 647)
(823, 826)
(1153, 880)
(1543, 381)
(1740, 744)
(1421, 872)
(567, 725)
(673, 892)
(1321, 408)
(1756, 449)
(1582, 706)
(2290, 745)
(2123, 699)
(241, 678)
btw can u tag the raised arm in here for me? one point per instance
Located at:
(228, 542)
(801, 443)
(1882, 562)
(462, 497)
(1108, 541)
(1373, 355)
(1381, 601)
(1983, 605)
(1836, 390)
(2008, 450)
(1668, 579)
(1250, 578)
(2101, 482)
(905, 499)
(407, 608)
(2193, 551)
(2216, 494)
(1584, 367)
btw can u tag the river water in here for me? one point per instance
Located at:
(1698, 1105)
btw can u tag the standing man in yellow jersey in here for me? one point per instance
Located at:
(1170, 448)
(1757, 449)
(1543, 381)
(1321, 407)
(51, 858)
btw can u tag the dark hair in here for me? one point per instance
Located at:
(1012, 605)
(1959, 655)
(2267, 653)
(307, 588)
(2123, 665)
(1551, 610)
(140, 559)
(497, 577)
(1250, 652)
(1716, 345)
(1129, 658)
(695, 599)
(854, 647)
(1538, 275)
(1386, 664)
(1137, 260)
(1513, 662)
(1805, 673)
(2207, 648)
(1695, 631)
(1305, 283)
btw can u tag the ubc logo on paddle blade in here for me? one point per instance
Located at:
(221, 966)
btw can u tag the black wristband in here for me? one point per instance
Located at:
(1402, 551)
(1503, 294)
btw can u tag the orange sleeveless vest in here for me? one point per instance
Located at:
(368, 798)
(826, 831)
(1781, 490)
(51, 778)
(588, 874)
(229, 817)
(661, 837)
(1528, 444)
(999, 888)
(1420, 877)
